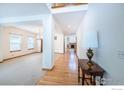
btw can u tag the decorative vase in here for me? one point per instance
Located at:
(90, 55)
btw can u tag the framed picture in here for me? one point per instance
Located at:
(55, 38)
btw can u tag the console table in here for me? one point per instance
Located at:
(95, 71)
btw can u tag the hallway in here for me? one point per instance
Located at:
(64, 72)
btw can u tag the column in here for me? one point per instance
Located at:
(48, 43)
(1, 45)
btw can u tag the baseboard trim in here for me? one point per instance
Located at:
(1, 61)
(47, 69)
(18, 56)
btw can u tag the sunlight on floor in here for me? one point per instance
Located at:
(72, 63)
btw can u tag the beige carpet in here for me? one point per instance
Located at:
(24, 70)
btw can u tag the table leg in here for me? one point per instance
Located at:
(78, 73)
(91, 81)
(94, 80)
(101, 81)
(83, 77)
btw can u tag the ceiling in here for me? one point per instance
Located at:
(69, 22)
(30, 26)
(22, 9)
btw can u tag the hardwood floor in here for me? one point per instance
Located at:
(65, 71)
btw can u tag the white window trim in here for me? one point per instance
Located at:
(16, 35)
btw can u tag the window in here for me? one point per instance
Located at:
(30, 42)
(15, 42)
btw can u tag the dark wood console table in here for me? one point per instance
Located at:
(96, 71)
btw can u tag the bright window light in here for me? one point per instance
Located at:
(15, 42)
(30, 42)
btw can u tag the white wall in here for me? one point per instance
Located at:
(38, 45)
(6, 38)
(59, 43)
(66, 41)
(70, 39)
(39, 38)
(108, 20)
(81, 52)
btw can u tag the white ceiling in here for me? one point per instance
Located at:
(69, 22)
(31, 26)
(37, 23)
(22, 9)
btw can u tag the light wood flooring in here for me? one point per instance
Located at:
(65, 71)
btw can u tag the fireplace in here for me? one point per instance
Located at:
(72, 46)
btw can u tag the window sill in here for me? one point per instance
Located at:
(15, 51)
(30, 48)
